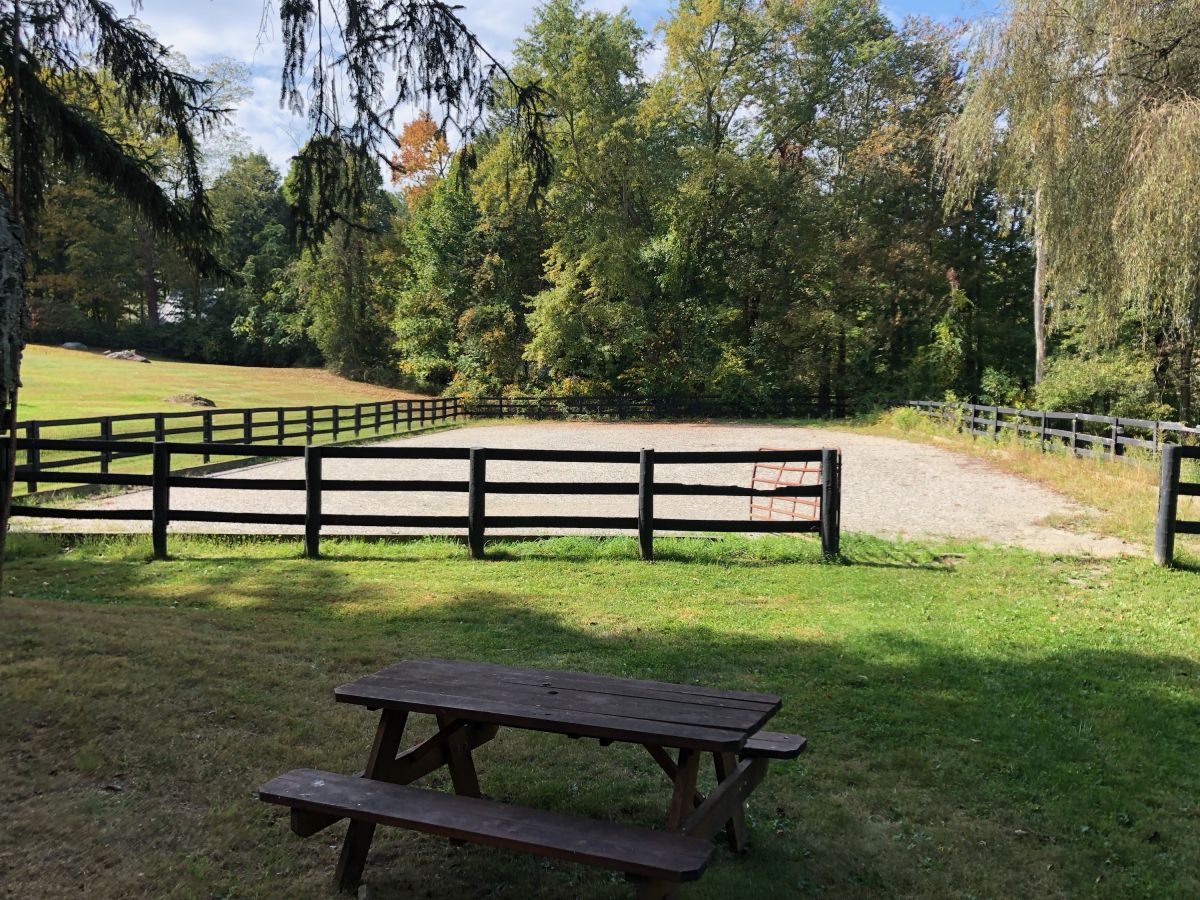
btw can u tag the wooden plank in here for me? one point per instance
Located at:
(736, 832)
(360, 832)
(613, 684)
(572, 456)
(726, 800)
(622, 522)
(375, 452)
(736, 490)
(774, 745)
(568, 700)
(736, 456)
(48, 512)
(236, 517)
(369, 521)
(645, 509)
(624, 848)
(208, 482)
(687, 768)
(365, 484)
(737, 525)
(557, 721)
(579, 488)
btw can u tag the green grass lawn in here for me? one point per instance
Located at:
(59, 384)
(982, 723)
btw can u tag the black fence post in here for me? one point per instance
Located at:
(160, 514)
(395, 416)
(308, 424)
(477, 501)
(207, 433)
(106, 436)
(1168, 504)
(337, 420)
(831, 503)
(279, 423)
(408, 415)
(33, 456)
(357, 419)
(312, 502)
(378, 416)
(646, 504)
(248, 427)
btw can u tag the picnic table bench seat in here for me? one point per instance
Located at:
(636, 851)
(773, 745)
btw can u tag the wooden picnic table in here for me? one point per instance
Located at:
(471, 701)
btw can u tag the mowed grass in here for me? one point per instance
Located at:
(982, 722)
(60, 384)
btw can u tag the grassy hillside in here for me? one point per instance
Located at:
(68, 383)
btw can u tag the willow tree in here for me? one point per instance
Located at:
(1085, 112)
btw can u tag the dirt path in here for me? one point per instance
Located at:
(891, 488)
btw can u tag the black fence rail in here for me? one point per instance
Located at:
(1083, 434)
(1170, 488)
(54, 447)
(624, 407)
(475, 519)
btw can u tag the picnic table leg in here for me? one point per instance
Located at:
(360, 834)
(735, 829)
(682, 800)
(458, 758)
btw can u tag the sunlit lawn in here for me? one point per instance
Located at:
(982, 722)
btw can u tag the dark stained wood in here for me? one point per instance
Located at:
(360, 832)
(458, 756)
(682, 798)
(773, 745)
(623, 848)
(645, 519)
(414, 763)
(610, 684)
(736, 831)
(726, 800)
(670, 767)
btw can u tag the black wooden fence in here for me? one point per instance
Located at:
(1170, 488)
(475, 519)
(1080, 433)
(625, 407)
(51, 447)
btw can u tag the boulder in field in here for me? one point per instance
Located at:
(191, 400)
(131, 355)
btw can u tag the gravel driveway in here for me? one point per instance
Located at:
(891, 488)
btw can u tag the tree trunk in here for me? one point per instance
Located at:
(150, 278)
(1039, 294)
(13, 320)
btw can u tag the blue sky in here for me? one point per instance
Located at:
(207, 29)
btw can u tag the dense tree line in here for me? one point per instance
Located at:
(802, 199)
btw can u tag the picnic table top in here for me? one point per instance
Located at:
(575, 703)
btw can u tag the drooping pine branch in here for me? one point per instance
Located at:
(353, 65)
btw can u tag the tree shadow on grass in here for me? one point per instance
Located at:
(1016, 769)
